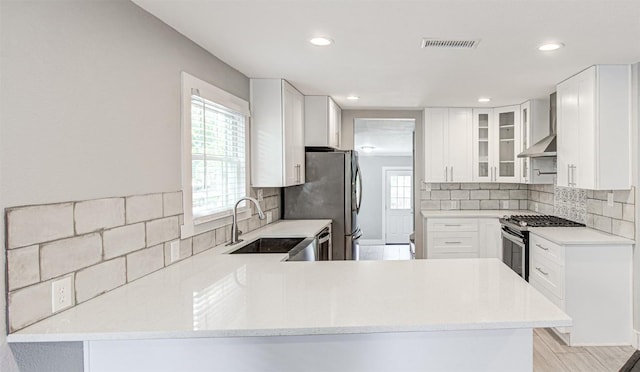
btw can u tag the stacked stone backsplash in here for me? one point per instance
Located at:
(447, 196)
(100, 245)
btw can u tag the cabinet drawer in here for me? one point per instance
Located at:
(546, 249)
(452, 224)
(453, 245)
(547, 273)
(545, 292)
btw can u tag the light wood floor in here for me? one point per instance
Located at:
(550, 354)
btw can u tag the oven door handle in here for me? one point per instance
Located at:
(513, 239)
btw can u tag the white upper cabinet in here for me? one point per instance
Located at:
(323, 122)
(447, 139)
(534, 118)
(496, 144)
(594, 129)
(277, 134)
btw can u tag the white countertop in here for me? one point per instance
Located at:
(578, 235)
(475, 213)
(219, 295)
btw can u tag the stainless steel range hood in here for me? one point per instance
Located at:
(546, 147)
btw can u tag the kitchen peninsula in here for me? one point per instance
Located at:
(214, 310)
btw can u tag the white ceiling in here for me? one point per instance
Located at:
(389, 137)
(377, 53)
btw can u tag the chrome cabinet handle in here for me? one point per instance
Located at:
(541, 247)
(446, 174)
(542, 271)
(452, 173)
(452, 242)
(452, 225)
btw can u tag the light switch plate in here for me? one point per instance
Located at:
(610, 199)
(61, 294)
(175, 250)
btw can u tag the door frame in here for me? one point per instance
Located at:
(384, 196)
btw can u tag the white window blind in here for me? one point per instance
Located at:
(218, 157)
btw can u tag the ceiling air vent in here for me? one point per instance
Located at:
(449, 44)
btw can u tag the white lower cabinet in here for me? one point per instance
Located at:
(462, 238)
(591, 283)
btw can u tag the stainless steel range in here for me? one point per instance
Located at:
(515, 238)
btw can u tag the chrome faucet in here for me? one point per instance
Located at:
(235, 233)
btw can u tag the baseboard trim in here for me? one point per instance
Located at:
(371, 242)
(635, 340)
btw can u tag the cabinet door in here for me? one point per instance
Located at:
(489, 238)
(567, 140)
(435, 142)
(334, 116)
(507, 124)
(293, 109)
(525, 119)
(482, 157)
(584, 168)
(460, 145)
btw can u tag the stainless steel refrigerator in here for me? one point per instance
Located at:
(333, 190)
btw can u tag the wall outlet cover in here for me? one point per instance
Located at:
(505, 204)
(260, 194)
(535, 207)
(175, 250)
(61, 294)
(610, 199)
(427, 186)
(269, 217)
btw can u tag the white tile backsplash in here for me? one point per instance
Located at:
(28, 305)
(162, 230)
(94, 215)
(145, 261)
(143, 208)
(23, 266)
(172, 203)
(204, 241)
(39, 224)
(100, 278)
(122, 240)
(68, 255)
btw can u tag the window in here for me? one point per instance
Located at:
(400, 192)
(215, 172)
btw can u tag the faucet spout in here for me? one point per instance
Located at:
(235, 233)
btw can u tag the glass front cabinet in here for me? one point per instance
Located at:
(497, 142)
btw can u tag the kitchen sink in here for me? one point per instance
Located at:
(270, 245)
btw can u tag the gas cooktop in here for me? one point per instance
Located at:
(524, 221)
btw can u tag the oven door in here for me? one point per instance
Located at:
(514, 253)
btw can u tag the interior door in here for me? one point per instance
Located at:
(398, 206)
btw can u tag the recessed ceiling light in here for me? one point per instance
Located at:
(353, 98)
(321, 41)
(484, 100)
(550, 46)
(367, 148)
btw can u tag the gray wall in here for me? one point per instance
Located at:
(90, 105)
(370, 217)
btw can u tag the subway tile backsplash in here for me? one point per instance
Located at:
(448, 196)
(101, 244)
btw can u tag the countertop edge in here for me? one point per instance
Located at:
(80, 337)
(615, 240)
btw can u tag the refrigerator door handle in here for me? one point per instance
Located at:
(359, 182)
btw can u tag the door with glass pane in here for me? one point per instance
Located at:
(507, 122)
(483, 170)
(398, 206)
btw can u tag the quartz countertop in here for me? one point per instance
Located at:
(578, 235)
(220, 295)
(474, 213)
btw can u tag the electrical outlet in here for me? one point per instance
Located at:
(610, 199)
(505, 204)
(175, 250)
(269, 217)
(260, 194)
(61, 294)
(535, 207)
(427, 186)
